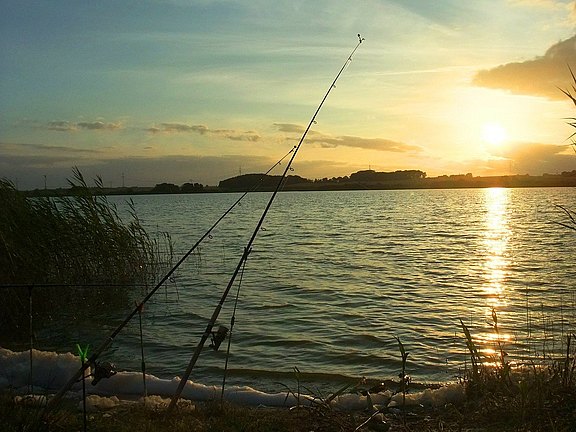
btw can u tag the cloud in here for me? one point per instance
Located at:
(61, 126)
(67, 126)
(247, 136)
(170, 128)
(379, 144)
(98, 125)
(27, 164)
(24, 148)
(289, 127)
(177, 128)
(541, 76)
(535, 158)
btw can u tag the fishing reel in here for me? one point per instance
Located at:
(103, 370)
(218, 337)
(100, 370)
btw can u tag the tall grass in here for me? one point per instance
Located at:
(73, 239)
(69, 242)
(538, 394)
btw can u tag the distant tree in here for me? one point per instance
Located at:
(248, 182)
(374, 176)
(191, 188)
(166, 188)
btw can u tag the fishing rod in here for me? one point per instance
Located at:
(248, 247)
(92, 359)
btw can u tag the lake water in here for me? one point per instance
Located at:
(335, 277)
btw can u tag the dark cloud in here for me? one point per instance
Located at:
(247, 136)
(67, 126)
(178, 127)
(168, 128)
(535, 158)
(27, 164)
(525, 158)
(380, 144)
(541, 76)
(98, 125)
(289, 127)
(24, 148)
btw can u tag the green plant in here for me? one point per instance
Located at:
(295, 394)
(474, 356)
(503, 365)
(404, 378)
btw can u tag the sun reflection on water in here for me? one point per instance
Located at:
(496, 236)
(495, 271)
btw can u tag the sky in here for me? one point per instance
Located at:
(140, 92)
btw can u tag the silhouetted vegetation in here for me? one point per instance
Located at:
(165, 188)
(191, 188)
(374, 176)
(536, 395)
(410, 179)
(73, 247)
(263, 182)
(75, 239)
(171, 188)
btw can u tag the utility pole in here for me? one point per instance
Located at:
(45, 182)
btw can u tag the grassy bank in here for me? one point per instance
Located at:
(496, 412)
(498, 396)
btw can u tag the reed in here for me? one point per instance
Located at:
(538, 394)
(72, 239)
(70, 242)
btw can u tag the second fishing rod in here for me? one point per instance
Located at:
(248, 247)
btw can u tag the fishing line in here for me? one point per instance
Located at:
(53, 402)
(232, 322)
(140, 310)
(247, 249)
(31, 334)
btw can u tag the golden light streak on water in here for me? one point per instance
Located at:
(497, 234)
(496, 268)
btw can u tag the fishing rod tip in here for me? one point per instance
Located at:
(360, 38)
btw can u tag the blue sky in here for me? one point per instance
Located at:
(199, 90)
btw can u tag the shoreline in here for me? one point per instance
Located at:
(431, 183)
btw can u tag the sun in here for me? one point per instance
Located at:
(494, 134)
